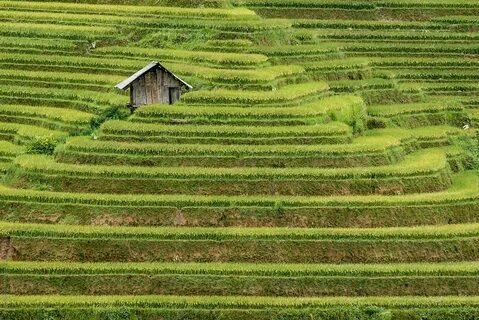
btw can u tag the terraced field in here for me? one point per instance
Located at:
(325, 166)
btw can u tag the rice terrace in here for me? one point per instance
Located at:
(239, 159)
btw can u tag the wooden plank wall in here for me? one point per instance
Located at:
(154, 87)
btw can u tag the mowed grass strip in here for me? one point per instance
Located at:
(363, 152)
(128, 10)
(216, 58)
(59, 77)
(228, 279)
(10, 150)
(344, 108)
(464, 268)
(463, 190)
(251, 245)
(397, 48)
(257, 308)
(238, 302)
(165, 21)
(286, 94)
(391, 110)
(421, 171)
(23, 131)
(38, 43)
(128, 128)
(101, 100)
(238, 76)
(394, 35)
(56, 31)
(177, 233)
(401, 62)
(70, 64)
(342, 4)
(457, 204)
(56, 114)
(418, 163)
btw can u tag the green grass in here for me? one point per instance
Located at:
(397, 109)
(127, 128)
(55, 31)
(261, 195)
(422, 171)
(216, 58)
(286, 94)
(415, 164)
(237, 76)
(364, 145)
(118, 9)
(57, 114)
(365, 151)
(124, 233)
(100, 100)
(8, 149)
(463, 189)
(463, 268)
(59, 77)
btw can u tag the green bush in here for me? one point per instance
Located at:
(42, 145)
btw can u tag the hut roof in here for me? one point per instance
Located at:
(125, 84)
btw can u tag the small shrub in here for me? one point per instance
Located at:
(42, 145)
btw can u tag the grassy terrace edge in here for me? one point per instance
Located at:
(198, 233)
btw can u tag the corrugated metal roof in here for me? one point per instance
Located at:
(125, 84)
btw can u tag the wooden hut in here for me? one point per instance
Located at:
(153, 84)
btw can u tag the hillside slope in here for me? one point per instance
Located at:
(325, 166)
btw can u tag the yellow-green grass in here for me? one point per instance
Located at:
(100, 100)
(216, 58)
(10, 150)
(261, 269)
(199, 233)
(421, 171)
(343, 24)
(364, 151)
(349, 104)
(285, 95)
(38, 43)
(32, 30)
(69, 63)
(59, 77)
(226, 279)
(389, 48)
(423, 107)
(458, 204)
(431, 73)
(237, 76)
(234, 307)
(261, 245)
(423, 62)
(23, 131)
(146, 130)
(423, 162)
(342, 4)
(166, 20)
(128, 10)
(394, 35)
(343, 108)
(463, 189)
(56, 114)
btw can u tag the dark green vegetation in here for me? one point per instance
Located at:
(325, 166)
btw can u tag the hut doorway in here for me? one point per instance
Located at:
(173, 94)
